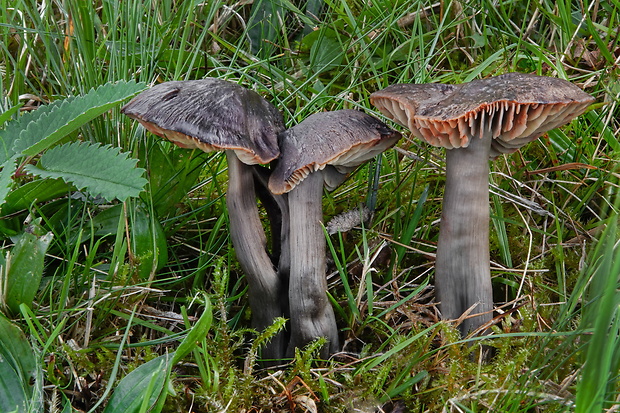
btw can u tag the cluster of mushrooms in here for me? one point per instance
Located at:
(288, 169)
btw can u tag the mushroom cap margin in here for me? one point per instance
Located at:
(516, 108)
(210, 114)
(339, 140)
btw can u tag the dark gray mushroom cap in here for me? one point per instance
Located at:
(340, 140)
(210, 114)
(516, 108)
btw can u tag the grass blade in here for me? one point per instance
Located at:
(602, 317)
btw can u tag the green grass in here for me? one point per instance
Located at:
(100, 313)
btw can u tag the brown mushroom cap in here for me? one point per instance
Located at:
(342, 139)
(210, 114)
(515, 108)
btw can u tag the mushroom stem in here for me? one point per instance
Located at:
(277, 210)
(250, 243)
(276, 207)
(312, 315)
(462, 272)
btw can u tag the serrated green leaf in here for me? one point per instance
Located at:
(10, 134)
(15, 127)
(6, 177)
(48, 127)
(100, 170)
(17, 368)
(145, 384)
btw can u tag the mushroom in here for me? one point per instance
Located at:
(321, 150)
(476, 121)
(214, 114)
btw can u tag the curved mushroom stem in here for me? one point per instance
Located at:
(462, 267)
(248, 238)
(276, 207)
(277, 210)
(312, 315)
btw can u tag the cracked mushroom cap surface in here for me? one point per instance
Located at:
(210, 114)
(515, 108)
(337, 141)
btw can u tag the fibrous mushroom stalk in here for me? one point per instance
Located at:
(248, 238)
(312, 315)
(462, 272)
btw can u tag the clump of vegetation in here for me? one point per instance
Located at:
(121, 291)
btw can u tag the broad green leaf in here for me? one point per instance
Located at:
(148, 243)
(106, 222)
(264, 26)
(40, 190)
(18, 368)
(313, 11)
(148, 240)
(196, 333)
(326, 52)
(145, 384)
(265, 23)
(22, 272)
(48, 127)
(171, 174)
(100, 170)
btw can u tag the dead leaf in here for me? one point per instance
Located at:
(306, 403)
